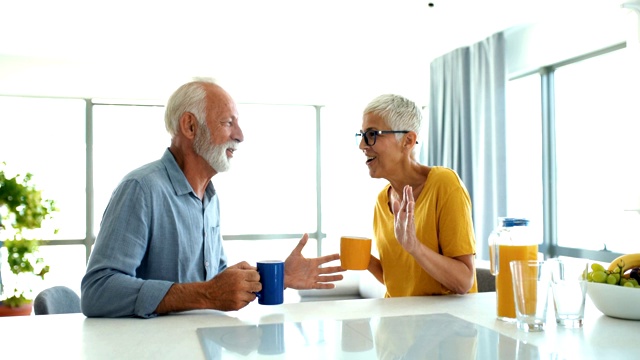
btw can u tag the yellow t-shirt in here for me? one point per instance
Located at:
(443, 224)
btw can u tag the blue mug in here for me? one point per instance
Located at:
(272, 280)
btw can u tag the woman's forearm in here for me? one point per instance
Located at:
(456, 274)
(375, 268)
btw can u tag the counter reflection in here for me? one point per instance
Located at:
(434, 336)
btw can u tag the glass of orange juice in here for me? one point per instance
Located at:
(531, 282)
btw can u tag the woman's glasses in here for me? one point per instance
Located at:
(370, 136)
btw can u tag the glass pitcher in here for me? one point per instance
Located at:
(511, 240)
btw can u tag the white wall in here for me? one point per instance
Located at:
(277, 51)
(532, 46)
(262, 51)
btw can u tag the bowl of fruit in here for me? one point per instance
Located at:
(614, 290)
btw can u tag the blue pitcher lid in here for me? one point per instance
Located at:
(509, 222)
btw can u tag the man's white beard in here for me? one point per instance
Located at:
(215, 155)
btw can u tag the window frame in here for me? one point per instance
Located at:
(550, 247)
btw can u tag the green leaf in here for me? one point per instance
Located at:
(22, 207)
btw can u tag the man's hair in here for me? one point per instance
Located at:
(190, 97)
(398, 112)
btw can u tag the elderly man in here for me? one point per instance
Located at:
(159, 249)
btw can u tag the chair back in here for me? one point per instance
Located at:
(486, 280)
(56, 300)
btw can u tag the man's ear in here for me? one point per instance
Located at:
(188, 125)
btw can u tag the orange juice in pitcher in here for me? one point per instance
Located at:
(512, 240)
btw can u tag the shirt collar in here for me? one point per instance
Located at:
(179, 182)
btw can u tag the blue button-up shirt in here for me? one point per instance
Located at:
(155, 232)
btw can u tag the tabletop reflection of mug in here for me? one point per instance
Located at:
(271, 339)
(355, 252)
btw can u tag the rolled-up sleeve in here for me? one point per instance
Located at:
(111, 288)
(155, 232)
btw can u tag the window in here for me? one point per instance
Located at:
(253, 251)
(591, 153)
(45, 137)
(271, 186)
(597, 145)
(67, 264)
(524, 152)
(124, 138)
(268, 199)
(348, 192)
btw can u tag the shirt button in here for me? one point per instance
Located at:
(206, 264)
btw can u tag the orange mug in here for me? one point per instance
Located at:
(355, 252)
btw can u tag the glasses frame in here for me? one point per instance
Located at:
(374, 133)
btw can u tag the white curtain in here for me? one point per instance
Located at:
(467, 127)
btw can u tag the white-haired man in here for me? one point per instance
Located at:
(159, 249)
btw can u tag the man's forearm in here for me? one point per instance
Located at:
(182, 297)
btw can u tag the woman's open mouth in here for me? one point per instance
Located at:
(370, 159)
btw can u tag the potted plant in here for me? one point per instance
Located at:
(21, 209)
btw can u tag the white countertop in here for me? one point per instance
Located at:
(73, 336)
